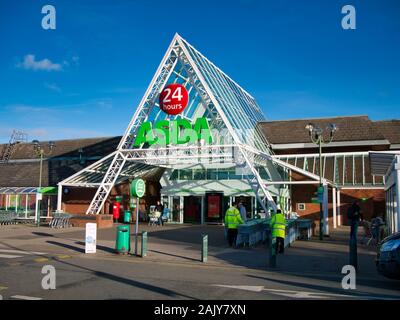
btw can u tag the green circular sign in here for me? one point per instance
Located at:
(138, 188)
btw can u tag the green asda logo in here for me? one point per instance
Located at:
(179, 131)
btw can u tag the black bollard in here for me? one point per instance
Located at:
(272, 251)
(353, 253)
(144, 244)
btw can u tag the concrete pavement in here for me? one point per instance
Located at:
(172, 269)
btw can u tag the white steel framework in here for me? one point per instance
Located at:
(213, 95)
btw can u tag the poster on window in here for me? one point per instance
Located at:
(214, 205)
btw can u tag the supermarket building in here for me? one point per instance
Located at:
(265, 164)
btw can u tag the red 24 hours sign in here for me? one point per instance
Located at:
(173, 99)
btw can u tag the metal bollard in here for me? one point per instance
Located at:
(144, 244)
(353, 253)
(272, 251)
(204, 248)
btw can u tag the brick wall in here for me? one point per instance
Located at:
(78, 199)
(374, 202)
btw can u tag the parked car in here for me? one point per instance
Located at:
(388, 256)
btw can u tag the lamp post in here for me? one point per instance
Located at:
(317, 136)
(41, 153)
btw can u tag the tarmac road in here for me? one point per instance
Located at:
(172, 271)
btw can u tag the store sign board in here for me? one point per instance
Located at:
(173, 99)
(175, 132)
(90, 237)
(138, 188)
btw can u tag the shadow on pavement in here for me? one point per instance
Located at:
(42, 234)
(67, 246)
(175, 255)
(130, 282)
(98, 247)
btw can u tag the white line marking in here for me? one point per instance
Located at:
(9, 256)
(303, 294)
(25, 297)
(20, 251)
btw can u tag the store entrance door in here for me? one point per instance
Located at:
(192, 209)
(214, 207)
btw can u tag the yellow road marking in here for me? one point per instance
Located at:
(63, 256)
(40, 259)
(13, 264)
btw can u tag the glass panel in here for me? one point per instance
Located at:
(211, 174)
(185, 174)
(199, 174)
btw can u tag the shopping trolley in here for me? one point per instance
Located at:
(60, 220)
(8, 217)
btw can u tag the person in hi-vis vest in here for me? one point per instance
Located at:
(232, 220)
(278, 227)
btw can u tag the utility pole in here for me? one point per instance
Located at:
(317, 137)
(40, 152)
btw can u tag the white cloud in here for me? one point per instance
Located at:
(75, 59)
(30, 63)
(52, 86)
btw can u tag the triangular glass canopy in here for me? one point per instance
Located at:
(231, 113)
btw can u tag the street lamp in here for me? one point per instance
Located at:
(40, 152)
(317, 136)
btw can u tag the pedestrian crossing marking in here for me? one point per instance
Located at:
(9, 256)
(13, 253)
(25, 297)
(21, 252)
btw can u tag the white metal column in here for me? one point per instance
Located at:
(397, 201)
(203, 207)
(59, 198)
(326, 211)
(26, 206)
(339, 214)
(334, 208)
(16, 203)
(181, 204)
(7, 197)
(36, 206)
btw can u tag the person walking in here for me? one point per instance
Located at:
(232, 220)
(242, 210)
(377, 224)
(355, 216)
(165, 215)
(278, 227)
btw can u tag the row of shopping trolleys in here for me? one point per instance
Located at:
(59, 220)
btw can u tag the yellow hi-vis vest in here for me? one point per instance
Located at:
(278, 225)
(232, 218)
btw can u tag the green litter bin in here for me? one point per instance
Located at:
(122, 243)
(127, 216)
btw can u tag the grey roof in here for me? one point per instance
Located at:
(23, 168)
(64, 147)
(390, 130)
(354, 128)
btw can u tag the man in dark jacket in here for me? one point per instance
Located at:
(354, 215)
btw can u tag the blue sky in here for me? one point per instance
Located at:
(292, 56)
